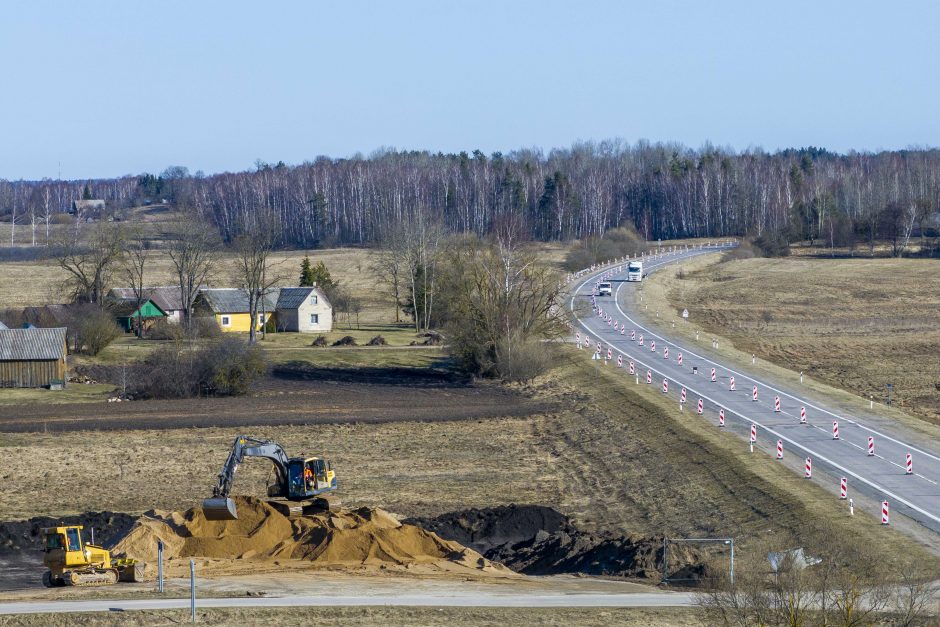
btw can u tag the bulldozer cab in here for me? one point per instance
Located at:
(64, 548)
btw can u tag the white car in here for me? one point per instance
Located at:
(604, 289)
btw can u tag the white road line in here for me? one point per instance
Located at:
(779, 435)
(847, 419)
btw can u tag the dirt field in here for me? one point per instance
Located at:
(856, 324)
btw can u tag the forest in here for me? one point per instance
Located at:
(663, 190)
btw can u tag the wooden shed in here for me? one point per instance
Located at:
(32, 358)
(130, 317)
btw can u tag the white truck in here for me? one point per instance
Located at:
(604, 289)
(635, 271)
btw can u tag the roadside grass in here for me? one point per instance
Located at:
(374, 615)
(852, 324)
(73, 393)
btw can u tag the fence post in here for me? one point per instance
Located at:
(192, 589)
(160, 566)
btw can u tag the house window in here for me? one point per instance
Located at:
(260, 318)
(313, 299)
(226, 321)
(314, 318)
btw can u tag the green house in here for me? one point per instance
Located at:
(129, 316)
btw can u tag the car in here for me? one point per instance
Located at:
(604, 289)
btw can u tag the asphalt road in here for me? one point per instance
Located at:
(881, 477)
(475, 599)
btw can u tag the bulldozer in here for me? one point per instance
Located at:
(300, 483)
(73, 562)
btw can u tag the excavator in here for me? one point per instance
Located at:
(73, 562)
(300, 483)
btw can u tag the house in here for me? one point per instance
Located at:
(167, 298)
(85, 207)
(231, 309)
(32, 358)
(303, 309)
(298, 309)
(130, 316)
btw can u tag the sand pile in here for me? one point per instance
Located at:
(364, 537)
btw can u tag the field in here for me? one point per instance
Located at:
(855, 324)
(592, 448)
(429, 616)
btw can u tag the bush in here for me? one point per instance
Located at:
(378, 340)
(521, 361)
(319, 342)
(203, 328)
(345, 341)
(742, 251)
(614, 244)
(164, 330)
(773, 245)
(228, 366)
(92, 328)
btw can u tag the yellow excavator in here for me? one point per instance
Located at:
(73, 562)
(299, 482)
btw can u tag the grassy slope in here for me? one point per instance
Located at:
(855, 324)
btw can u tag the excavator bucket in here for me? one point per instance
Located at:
(219, 509)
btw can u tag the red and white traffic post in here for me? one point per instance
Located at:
(682, 396)
(623, 330)
(779, 449)
(777, 404)
(701, 406)
(632, 334)
(620, 361)
(714, 375)
(665, 352)
(753, 433)
(610, 354)
(632, 368)
(843, 488)
(721, 417)
(802, 415)
(649, 376)
(884, 513)
(835, 429)
(754, 394)
(871, 446)
(909, 463)
(680, 359)
(640, 341)
(653, 346)
(732, 384)
(665, 386)
(808, 474)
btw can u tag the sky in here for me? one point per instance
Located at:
(100, 89)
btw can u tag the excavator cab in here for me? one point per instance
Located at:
(308, 477)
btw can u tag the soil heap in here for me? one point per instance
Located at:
(538, 540)
(363, 538)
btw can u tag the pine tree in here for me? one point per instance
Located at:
(86, 193)
(306, 273)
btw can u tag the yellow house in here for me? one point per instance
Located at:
(230, 308)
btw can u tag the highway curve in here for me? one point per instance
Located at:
(879, 477)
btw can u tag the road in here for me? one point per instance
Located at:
(881, 477)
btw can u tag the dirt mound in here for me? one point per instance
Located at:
(537, 540)
(361, 537)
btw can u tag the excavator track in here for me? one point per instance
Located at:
(91, 578)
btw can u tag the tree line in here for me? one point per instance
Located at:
(663, 190)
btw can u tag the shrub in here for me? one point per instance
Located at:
(203, 327)
(773, 245)
(378, 340)
(347, 340)
(92, 328)
(320, 341)
(521, 361)
(164, 330)
(228, 366)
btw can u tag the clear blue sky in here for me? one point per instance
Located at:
(111, 88)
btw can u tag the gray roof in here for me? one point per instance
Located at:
(30, 344)
(93, 203)
(234, 300)
(3, 327)
(168, 298)
(294, 297)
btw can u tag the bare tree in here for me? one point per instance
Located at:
(253, 248)
(135, 264)
(90, 263)
(193, 249)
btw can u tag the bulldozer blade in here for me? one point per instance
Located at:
(219, 509)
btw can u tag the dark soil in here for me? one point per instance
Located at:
(294, 396)
(26, 535)
(538, 540)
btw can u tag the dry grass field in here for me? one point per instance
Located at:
(383, 615)
(855, 324)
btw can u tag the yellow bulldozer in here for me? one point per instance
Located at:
(73, 562)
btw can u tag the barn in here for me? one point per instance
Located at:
(32, 358)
